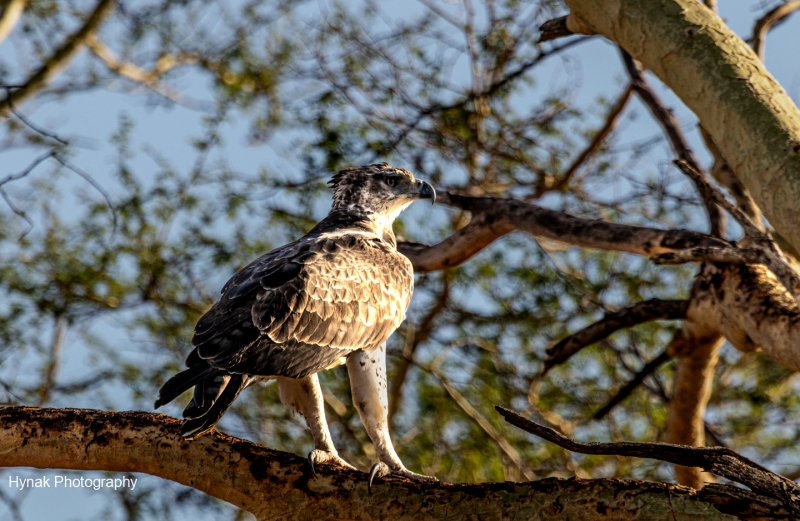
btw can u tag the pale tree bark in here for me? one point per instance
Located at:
(747, 113)
(9, 16)
(697, 350)
(275, 485)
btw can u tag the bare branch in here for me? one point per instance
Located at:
(94, 184)
(670, 125)
(493, 218)
(648, 369)
(767, 22)
(61, 57)
(150, 79)
(597, 139)
(654, 309)
(719, 460)
(723, 173)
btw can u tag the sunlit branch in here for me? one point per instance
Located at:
(61, 57)
(654, 309)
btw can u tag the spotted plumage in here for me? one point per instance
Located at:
(340, 290)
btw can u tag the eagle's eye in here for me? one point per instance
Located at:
(391, 181)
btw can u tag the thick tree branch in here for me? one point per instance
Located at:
(61, 57)
(493, 218)
(278, 486)
(773, 257)
(767, 22)
(719, 460)
(747, 305)
(654, 309)
(747, 113)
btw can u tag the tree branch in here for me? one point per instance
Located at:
(493, 218)
(767, 22)
(150, 79)
(691, 389)
(654, 309)
(597, 139)
(64, 54)
(278, 486)
(670, 125)
(719, 460)
(750, 117)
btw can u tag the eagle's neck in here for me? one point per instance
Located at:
(358, 219)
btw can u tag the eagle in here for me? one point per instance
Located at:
(332, 297)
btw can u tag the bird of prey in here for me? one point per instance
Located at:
(332, 297)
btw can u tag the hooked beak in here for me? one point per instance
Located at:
(426, 191)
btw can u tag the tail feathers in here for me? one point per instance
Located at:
(217, 396)
(182, 381)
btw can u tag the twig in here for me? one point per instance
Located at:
(626, 391)
(94, 184)
(150, 79)
(672, 129)
(654, 309)
(719, 460)
(597, 139)
(767, 22)
(52, 65)
(26, 121)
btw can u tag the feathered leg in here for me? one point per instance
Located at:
(367, 371)
(304, 395)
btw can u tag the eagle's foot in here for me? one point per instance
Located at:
(317, 456)
(381, 469)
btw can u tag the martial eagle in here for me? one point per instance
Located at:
(332, 297)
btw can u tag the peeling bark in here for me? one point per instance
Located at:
(747, 305)
(747, 113)
(276, 485)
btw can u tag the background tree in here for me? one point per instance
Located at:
(108, 263)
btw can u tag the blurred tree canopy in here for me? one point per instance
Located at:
(106, 268)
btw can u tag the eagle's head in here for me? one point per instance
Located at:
(379, 191)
